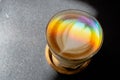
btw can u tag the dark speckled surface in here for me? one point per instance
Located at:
(22, 39)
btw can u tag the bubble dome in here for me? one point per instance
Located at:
(74, 34)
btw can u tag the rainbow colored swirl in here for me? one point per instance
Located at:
(74, 34)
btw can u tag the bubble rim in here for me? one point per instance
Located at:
(84, 13)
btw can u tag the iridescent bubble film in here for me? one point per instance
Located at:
(74, 34)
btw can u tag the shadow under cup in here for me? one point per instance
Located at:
(73, 37)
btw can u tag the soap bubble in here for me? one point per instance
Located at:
(74, 34)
